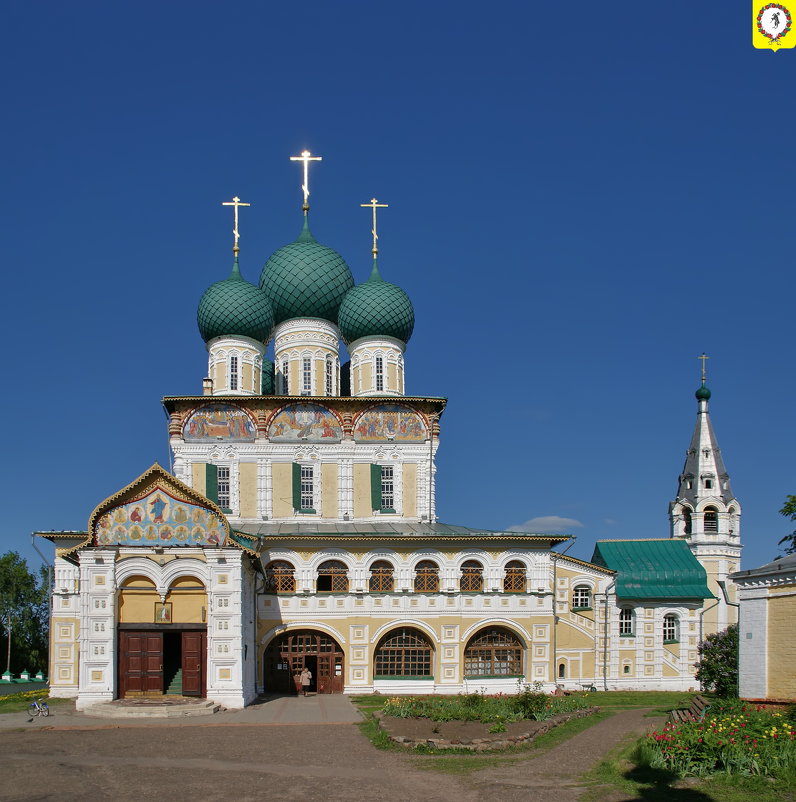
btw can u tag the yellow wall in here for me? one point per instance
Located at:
(329, 507)
(199, 474)
(392, 377)
(220, 375)
(282, 484)
(410, 489)
(781, 644)
(137, 601)
(248, 489)
(362, 499)
(138, 597)
(366, 376)
(246, 376)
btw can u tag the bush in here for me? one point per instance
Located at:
(735, 738)
(717, 668)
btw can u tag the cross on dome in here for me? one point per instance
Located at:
(374, 204)
(703, 358)
(306, 157)
(236, 202)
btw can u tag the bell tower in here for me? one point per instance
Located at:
(707, 515)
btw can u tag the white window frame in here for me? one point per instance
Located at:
(378, 373)
(234, 372)
(579, 594)
(671, 628)
(285, 377)
(224, 480)
(307, 492)
(306, 375)
(627, 622)
(329, 376)
(388, 482)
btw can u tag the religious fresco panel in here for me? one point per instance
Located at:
(305, 423)
(389, 422)
(159, 519)
(214, 421)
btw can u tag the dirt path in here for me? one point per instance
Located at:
(554, 775)
(333, 762)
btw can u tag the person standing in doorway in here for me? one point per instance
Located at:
(306, 679)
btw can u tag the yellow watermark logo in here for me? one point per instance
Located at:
(772, 25)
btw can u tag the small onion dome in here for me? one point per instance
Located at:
(306, 279)
(376, 308)
(268, 381)
(235, 307)
(702, 394)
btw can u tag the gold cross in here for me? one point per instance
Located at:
(306, 157)
(704, 357)
(236, 202)
(374, 204)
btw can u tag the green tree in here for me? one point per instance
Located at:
(789, 511)
(717, 668)
(24, 608)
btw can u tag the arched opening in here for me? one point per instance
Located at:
(562, 670)
(686, 521)
(280, 577)
(404, 652)
(381, 577)
(332, 577)
(289, 653)
(514, 578)
(711, 519)
(162, 641)
(671, 628)
(581, 597)
(427, 577)
(493, 652)
(626, 622)
(472, 577)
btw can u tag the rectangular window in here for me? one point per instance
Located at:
(306, 376)
(329, 376)
(307, 488)
(285, 383)
(379, 374)
(626, 621)
(387, 488)
(223, 488)
(233, 373)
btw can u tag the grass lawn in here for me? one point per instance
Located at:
(18, 702)
(617, 777)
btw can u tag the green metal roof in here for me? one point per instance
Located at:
(233, 306)
(376, 308)
(306, 279)
(653, 569)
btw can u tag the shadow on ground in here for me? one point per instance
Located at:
(660, 787)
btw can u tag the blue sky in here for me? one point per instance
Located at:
(583, 198)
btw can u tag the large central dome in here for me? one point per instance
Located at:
(306, 279)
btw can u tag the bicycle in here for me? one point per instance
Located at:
(38, 707)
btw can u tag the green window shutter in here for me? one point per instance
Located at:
(296, 486)
(211, 483)
(375, 487)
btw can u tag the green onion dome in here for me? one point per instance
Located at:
(306, 279)
(235, 307)
(376, 308)
(702, 394)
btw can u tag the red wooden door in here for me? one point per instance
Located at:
(141, 666)
(194, 648)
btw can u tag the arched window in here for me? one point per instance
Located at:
(427, 577)
(514, 578)
(279, 577)
(381, 580)
(626, 621)
(493, 652)
(581, 597)
(472, 578)
(329, 376)
(562, 670)
(686, 521)
(711, 519)
(671, 628)
(332, 577)
(404, 652)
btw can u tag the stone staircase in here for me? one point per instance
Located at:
(175, 686)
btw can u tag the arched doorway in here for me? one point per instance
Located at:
(162, 644)
(287, 654)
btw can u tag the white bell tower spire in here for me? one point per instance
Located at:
(706, 513)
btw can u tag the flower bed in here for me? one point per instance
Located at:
(734, 738)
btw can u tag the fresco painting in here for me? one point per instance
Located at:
(219, 420)
(305, 423)
(389, 422)
(159, 518)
